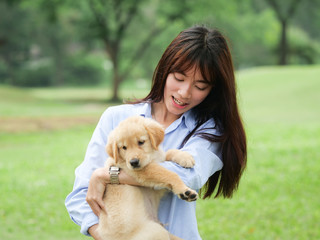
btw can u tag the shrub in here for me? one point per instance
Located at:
(80, 70)
(34, 75)
(302, 49)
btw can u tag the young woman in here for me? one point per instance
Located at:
(194, 97)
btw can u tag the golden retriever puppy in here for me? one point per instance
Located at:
(131, 211)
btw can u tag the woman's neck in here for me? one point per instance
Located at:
(161, 114)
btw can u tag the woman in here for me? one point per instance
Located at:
(194, 97)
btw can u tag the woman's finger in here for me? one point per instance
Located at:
(95, 208)
(96, 189)
(95, 205)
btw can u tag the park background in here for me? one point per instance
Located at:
(63, 62)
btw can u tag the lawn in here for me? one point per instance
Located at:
(44, 134)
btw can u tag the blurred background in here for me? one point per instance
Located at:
(91, 42)
(63, 62)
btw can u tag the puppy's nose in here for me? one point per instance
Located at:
(135, 163)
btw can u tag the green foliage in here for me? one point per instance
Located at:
(15, 40)
(53, 34)
(34, 77)
(308, 18)
(81, 70)
(46, 54)
(302, 49)
(254, 45)
(3, 73)
(76, 71)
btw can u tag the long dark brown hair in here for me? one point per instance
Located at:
(208, 51)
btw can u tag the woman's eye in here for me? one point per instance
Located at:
(201, 88)
(178, 78)
(140, 143)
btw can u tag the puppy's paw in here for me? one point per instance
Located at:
(184, 159)
(188, 195)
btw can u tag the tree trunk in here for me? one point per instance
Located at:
(116, 80)
(283, 45)
(112, 51)
(284, 13)
(116, 84)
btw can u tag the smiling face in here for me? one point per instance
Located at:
(184, 90)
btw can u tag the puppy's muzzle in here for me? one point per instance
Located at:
(135, 163)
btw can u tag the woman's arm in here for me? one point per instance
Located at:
(97, 185)
(93, 231)
(207, 156)
(79, 210)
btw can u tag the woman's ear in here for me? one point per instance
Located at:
(112, 149)
(155, 132)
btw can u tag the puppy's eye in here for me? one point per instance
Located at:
(124, 148)
(141, 142)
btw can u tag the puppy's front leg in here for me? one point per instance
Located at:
(184, 159)
(154, 175)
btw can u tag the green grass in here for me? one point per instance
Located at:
(36, 174)
(278, 196)
(280, 95)
(36, 102)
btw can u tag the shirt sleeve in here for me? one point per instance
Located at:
(207, 156)
(76, 204)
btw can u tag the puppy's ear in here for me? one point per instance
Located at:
(155, 132)
(112, 149)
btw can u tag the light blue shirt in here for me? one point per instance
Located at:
(178, 216)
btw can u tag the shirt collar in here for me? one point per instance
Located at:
(187, 118)
(145, 110)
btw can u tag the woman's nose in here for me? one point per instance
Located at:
(185, 92)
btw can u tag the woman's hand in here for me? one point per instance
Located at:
(94, 233)
(97, 186)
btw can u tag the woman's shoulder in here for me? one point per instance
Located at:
(210, 125)
(123, 108)
(192, 121)
(123, 111)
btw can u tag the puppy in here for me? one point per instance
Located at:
(131, 211)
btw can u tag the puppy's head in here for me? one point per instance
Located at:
(134, 142)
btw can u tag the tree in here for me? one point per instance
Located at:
(284, 11)
(15, 40)
(111, 21)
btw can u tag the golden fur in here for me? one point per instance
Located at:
(131, 211)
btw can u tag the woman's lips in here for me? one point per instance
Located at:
(178, 103)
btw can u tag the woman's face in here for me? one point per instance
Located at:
(183, 91)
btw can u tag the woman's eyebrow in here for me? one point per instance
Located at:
(199, 80)
(203, 81)
(180, 72)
